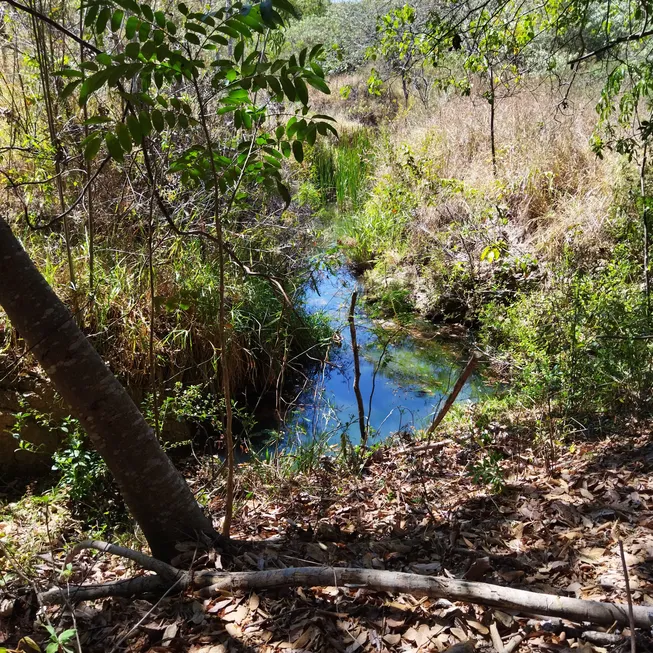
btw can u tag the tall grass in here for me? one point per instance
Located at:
(340, 169)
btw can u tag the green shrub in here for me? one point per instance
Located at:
(578, 342)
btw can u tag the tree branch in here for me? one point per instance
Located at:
(210, 583)
(53, 23)
(612, 44)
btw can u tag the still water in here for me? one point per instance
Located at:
(406, 372)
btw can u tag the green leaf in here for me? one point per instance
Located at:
(104, 58)
(192, 38)
(116, 19)
(311, 134)
(234, 24)
(92, 147)
(102, 20)
(92, 84)
(302, 91)
(148, 49)
(146, 124)
(229, 31)
(130, 5)
(124, 138)
(239, 50)
(113, 145)
(67, 635)
(131, 27)
(171, 118)
(144, 32)
(195, 27)
(147, 12)
(69, 88)
(298, 151)
(158, 121)
(288, 88)
(318, 83)
(91, 14)
(135, 129)
(285, 5)
(183, 8)
(132, 50)
(160, 19)
(97, 120)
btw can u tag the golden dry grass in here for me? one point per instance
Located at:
(549, 183)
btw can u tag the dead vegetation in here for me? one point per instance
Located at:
(419, 513)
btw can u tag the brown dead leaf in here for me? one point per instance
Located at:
(479, 627)
(233, 630)
(478, 570)
(395, 623)
(392, 638)
(238, 615)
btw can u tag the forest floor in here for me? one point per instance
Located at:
(550, 530)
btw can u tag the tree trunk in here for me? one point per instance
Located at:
(153, 489)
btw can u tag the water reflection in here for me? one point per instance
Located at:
(405, 372)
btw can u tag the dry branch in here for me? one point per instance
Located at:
(139, 586)
(460, 383)
(457, 590)
(211, 583)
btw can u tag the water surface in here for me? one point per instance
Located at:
(407, 371)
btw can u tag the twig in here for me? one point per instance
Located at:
(460, 383)
(166, 571)
(357, 372)
(631, 618)
(514, 643)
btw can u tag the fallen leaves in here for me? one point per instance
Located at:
(417, 513)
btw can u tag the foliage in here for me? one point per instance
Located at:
(158, 59)
(378, 227)
(346, 29)
(578, 342)
(340, 170)
(488, 471)
(59, 642)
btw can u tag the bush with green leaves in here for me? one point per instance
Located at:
(581, 342)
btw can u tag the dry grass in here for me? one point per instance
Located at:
(549, 183)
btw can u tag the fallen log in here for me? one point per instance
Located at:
(211, 584)
(208, 584)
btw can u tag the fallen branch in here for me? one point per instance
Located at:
(460, 383)
(164, 570)
(507, 598)
(210, 583)
(139, 586)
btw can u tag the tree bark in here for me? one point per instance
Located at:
(153, 489)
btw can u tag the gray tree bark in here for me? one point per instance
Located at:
(154, 491)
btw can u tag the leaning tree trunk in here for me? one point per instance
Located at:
(154, 491)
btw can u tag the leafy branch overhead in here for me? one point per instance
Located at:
(150, 59)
